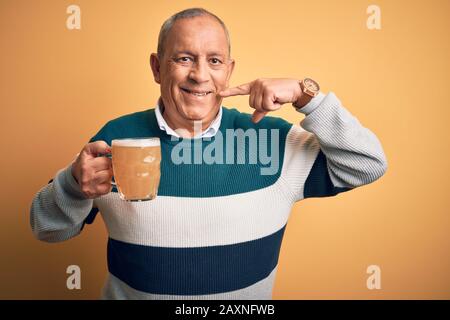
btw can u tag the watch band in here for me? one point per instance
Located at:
(309, 89)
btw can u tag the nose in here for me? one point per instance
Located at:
(199, 72)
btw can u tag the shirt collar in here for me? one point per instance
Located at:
(207, 133)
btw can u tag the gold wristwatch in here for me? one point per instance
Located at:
(310, 89)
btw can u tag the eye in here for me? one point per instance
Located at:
(184, 59)
(215, 61)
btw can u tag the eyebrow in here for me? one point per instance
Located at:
(192, 54)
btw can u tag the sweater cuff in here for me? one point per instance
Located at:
(69, 184)
(323, 117)
(312, 105)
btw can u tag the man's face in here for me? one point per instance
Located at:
(195, 66)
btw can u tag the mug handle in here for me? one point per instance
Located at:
(108, 155)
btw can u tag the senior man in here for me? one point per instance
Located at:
(215, 229)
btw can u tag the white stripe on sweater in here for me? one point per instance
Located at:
(195, 222)
(116, 289)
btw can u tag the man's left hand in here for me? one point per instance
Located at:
(266, 94)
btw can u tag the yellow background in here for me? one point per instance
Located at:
(59, 86)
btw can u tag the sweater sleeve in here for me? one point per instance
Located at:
(59, 210)
(331, 152)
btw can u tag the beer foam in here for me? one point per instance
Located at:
(149, 142)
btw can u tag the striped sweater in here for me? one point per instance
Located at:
(215, 229)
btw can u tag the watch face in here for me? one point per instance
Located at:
(311, 85)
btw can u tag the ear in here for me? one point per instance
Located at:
(230, 70)
(154, 63)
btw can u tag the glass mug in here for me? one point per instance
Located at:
(136, 166)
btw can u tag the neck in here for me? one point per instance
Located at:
(189, 128)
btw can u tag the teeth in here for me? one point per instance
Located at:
(199, 94)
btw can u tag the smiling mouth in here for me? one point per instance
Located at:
(197, 93)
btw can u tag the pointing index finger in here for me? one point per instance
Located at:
(242, 89)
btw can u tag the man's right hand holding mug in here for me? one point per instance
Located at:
(93, 173)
